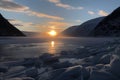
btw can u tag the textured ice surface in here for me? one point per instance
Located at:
(84, 63)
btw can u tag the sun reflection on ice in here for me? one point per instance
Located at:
(52, 47)
(52, 44)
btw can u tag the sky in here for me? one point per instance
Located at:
(46, 15)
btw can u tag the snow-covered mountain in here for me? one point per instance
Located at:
(7, 29)
(83, 29)
(109, 26)
(100, 27)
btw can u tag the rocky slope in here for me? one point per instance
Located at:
(109, 26)
(83, 29)
(7, 29)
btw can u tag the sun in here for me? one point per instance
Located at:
(52, 33)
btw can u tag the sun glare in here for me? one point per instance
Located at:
(52, 43)
(52, 33)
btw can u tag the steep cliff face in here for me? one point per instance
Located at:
(83, 29)
(109, 26)
(7, 29)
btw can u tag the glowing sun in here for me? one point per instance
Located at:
(52, 33)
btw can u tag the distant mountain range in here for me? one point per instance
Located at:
(99, 27)
(7, 29)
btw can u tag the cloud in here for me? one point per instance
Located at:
(78, 21)
(91, 12)
(54, 1)
(20, 23)
(10, 5)
(43, 15)
(23, 26)
(29, 26)
(66, 6)
(58, 24)
(54, 25)
(102, 13)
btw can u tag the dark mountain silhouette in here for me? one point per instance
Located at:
(109, 26)
(7, 29)
(83, 29)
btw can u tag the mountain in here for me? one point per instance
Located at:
(109, 26)
(7, 29)
(100, 27)
(83, 29)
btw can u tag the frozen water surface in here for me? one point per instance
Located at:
(59, 59)
(32, 47)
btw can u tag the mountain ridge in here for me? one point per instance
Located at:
(108, 26)
(82, 30)
(7, 29)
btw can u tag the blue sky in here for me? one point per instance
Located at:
(45, 15)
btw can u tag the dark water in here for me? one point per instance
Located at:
(32, 47)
